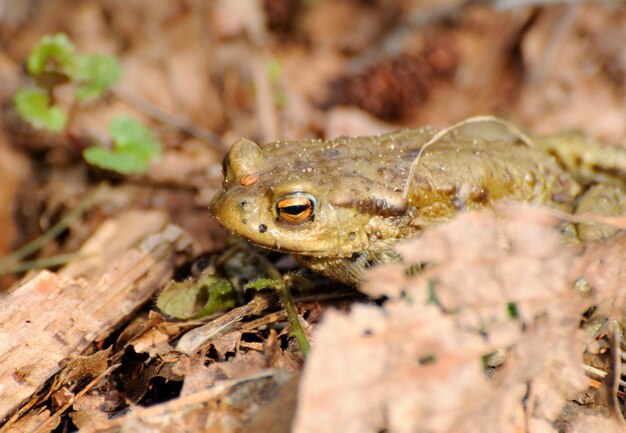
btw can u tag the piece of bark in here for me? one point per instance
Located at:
(49, 316)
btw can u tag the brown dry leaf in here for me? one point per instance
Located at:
(87, 410)
(391, 368)
(486, 263)
(604, 269)
(226, 407)
(573, 56)
(226, 343)
(325, 26)
(81, 367)
(200, 377)
(592, 423)
(154, 342)
(484, 82)
(495, 280)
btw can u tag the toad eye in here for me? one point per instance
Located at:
(296, 207)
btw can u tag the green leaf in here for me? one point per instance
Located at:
(134, 148)
(96, 74)
(120, 162)
(131, 134)
(34, 107)
(194, 299)
(53, 54)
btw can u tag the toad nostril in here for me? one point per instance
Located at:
(243, 203)
(262, 228)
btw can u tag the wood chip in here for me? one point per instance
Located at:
(50, 316)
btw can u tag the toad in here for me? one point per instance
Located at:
(339, 206)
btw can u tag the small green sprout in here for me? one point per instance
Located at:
(134, 148)
(53, 61)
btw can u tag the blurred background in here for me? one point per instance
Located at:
(204, 73)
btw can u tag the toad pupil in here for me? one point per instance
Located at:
(295, 209)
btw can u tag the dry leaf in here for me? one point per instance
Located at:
(499, 279)
(592, 423)
(154, 342)
(87, 410)
(200, 377)
(605, 270)
(399, 369)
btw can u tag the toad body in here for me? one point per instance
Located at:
(338, 205)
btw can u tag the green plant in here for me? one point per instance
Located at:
(134, 148)
(199, 298)
(53, 62)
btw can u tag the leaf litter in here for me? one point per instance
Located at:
(481, 303)
(493, 282)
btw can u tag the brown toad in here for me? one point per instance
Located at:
(338, 205)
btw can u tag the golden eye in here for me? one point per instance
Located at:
(296, 207)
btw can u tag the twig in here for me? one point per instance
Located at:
(13, 259)
(265, 104)
(504, 5)
(45, 262)
(616, 372)
(177, 122)
(263, 321)
(557, 34)
(596, 373)
(442, 133)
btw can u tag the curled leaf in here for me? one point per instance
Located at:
(53, 60)
(193, 299)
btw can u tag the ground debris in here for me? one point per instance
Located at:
(487, 336)
(494, 280)
(50, 317)
(224, 407)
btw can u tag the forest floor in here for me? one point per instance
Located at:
(505, 330)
